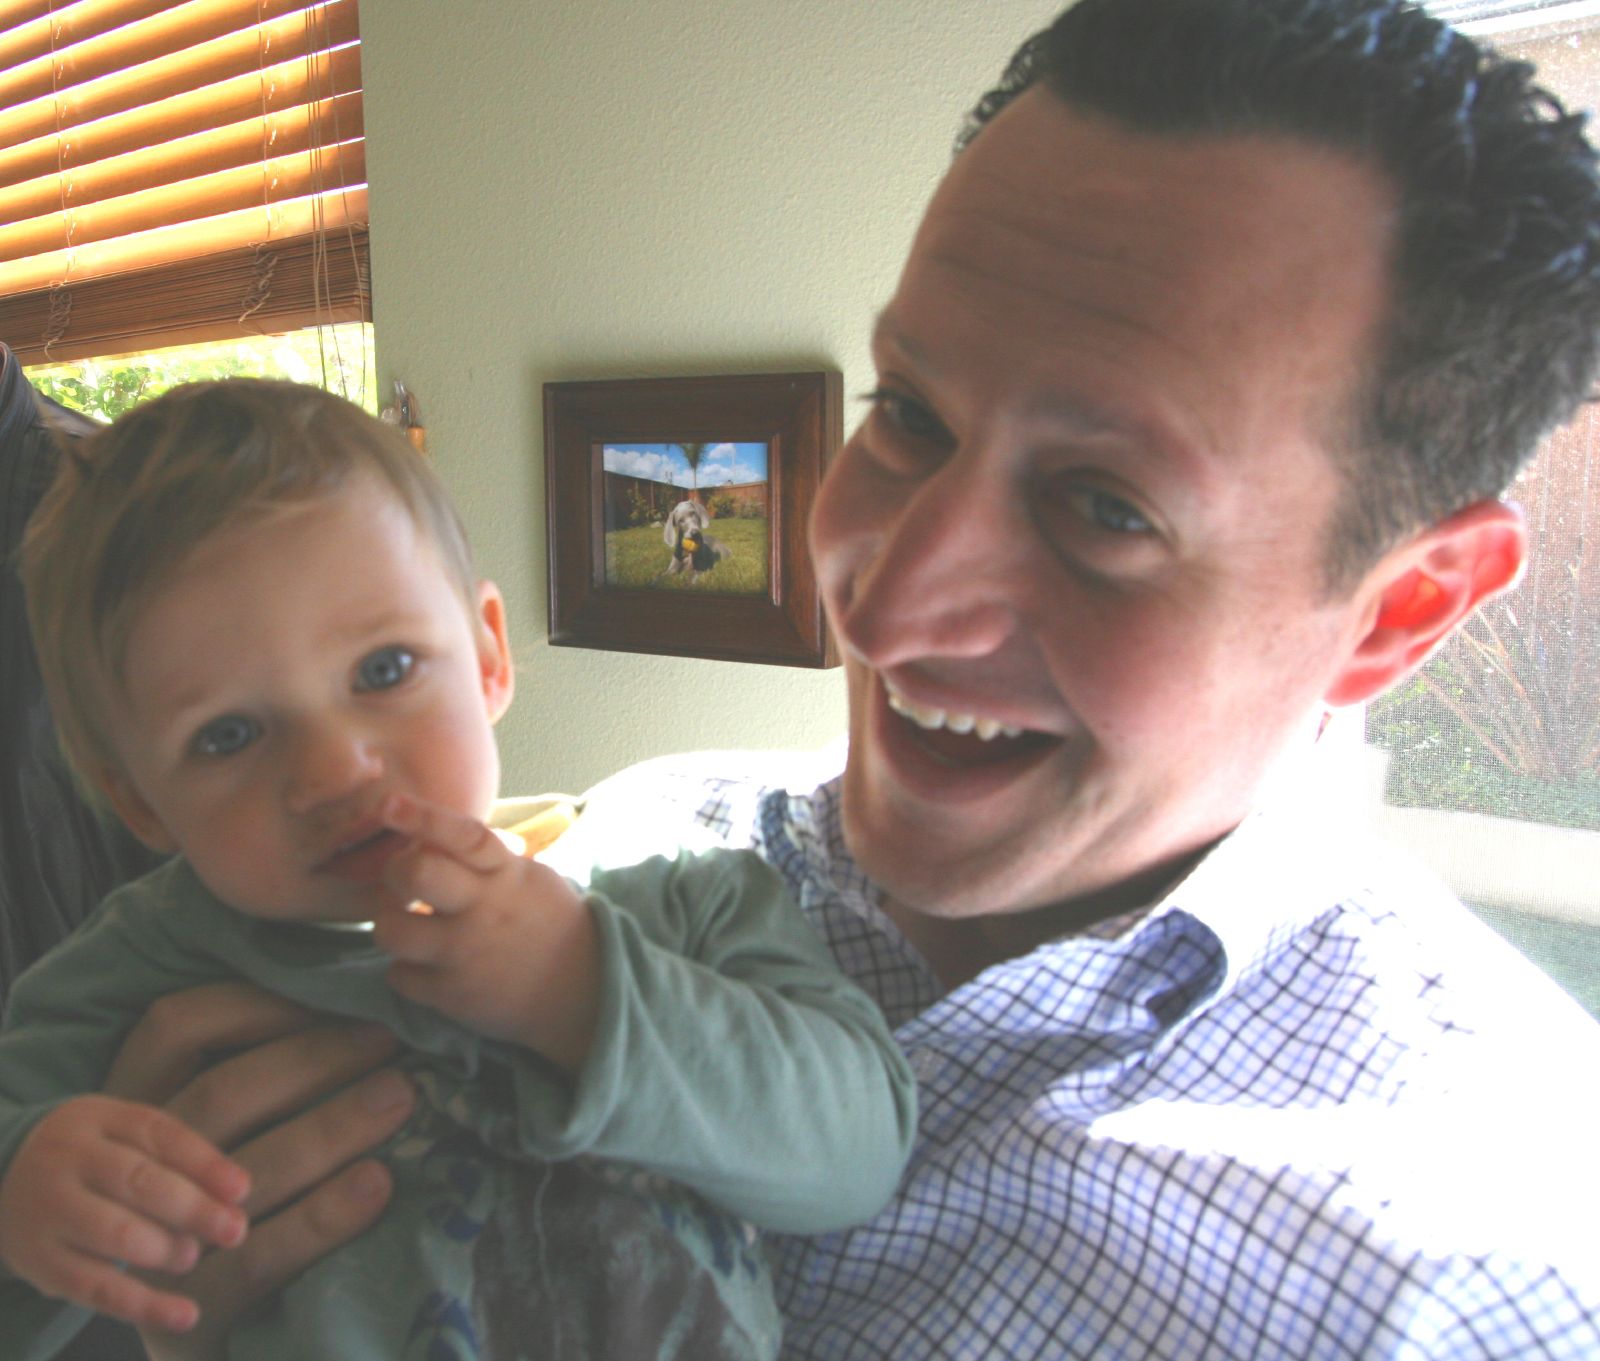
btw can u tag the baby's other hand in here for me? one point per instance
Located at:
(101, 1183)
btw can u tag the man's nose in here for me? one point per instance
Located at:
(945, 576)
(328, 762)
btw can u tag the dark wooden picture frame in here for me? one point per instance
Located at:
(798, 417)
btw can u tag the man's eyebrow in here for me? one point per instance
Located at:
(885, 332)
(1071, 415)
(1068, 413)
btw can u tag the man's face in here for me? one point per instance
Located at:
(1087, 512)
(294, 672)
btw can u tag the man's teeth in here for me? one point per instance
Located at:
(985, 728)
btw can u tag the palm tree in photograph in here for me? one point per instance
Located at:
(692, 454)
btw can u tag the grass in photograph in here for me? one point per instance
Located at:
(637, 557)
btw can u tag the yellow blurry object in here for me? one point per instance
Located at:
(538, 820)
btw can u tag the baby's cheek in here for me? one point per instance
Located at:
(457, 764)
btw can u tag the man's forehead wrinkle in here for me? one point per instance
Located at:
(1036, 226)
(987, 274)
(1069, 243)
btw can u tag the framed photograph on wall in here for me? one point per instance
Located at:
(677, 511)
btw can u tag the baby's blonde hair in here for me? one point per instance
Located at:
(132, 502)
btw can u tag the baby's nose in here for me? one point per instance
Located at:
(329, 764)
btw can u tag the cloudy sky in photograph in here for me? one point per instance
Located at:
(719, 465)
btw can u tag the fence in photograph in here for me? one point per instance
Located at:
(631, 501)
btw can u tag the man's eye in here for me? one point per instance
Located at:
(227, 735)
(384, 669)
(909, 416)
(1106, 511)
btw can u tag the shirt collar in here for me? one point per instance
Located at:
(1296, 855)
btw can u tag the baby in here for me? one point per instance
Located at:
(265, 645)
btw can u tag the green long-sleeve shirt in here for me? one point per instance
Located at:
(730, 1060)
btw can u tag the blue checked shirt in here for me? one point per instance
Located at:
(1304, 1106)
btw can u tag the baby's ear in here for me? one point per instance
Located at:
(137, 815)
(494, 651)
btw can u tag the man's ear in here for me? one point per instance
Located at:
(494, 651)
(1420, 592)
(137, 815)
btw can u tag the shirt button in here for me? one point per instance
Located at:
(926, 1064)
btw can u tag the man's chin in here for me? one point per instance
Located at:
(895, 856)
(958, 871)
(918, 823)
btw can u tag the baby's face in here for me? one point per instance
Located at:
(293, 673)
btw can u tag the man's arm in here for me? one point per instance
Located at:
(295, 1103)
(282, 1109)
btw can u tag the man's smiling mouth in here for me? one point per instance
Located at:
(932, 720)
(959, 737)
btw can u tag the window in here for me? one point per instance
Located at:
(1492, 752)
(338, 358)
(178, 172)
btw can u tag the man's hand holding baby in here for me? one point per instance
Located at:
(499, 942)
(100, 1182)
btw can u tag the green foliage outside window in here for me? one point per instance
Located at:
(338, 358)
(1438, 761)
(1505, 719)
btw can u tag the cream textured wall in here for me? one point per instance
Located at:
(624, 188)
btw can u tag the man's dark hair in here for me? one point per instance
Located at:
(1493, 333)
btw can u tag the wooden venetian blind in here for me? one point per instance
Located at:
(175, 172)
(1488, 18)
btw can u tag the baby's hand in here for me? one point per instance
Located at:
(101, 1182)
(500, 943)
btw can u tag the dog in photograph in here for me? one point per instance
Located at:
(693, 550)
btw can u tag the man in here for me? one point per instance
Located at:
(48, 883)
(57, 858)
(1209, 361)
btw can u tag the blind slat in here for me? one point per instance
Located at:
(35, 105)
(31, 32)
(290, 85)
(144, 250)
(178, 170)
(324, 170)
(226, 148)
(299, 283)
(1495, 18)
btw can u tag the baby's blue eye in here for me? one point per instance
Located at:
(385, 668)
(226, 735)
